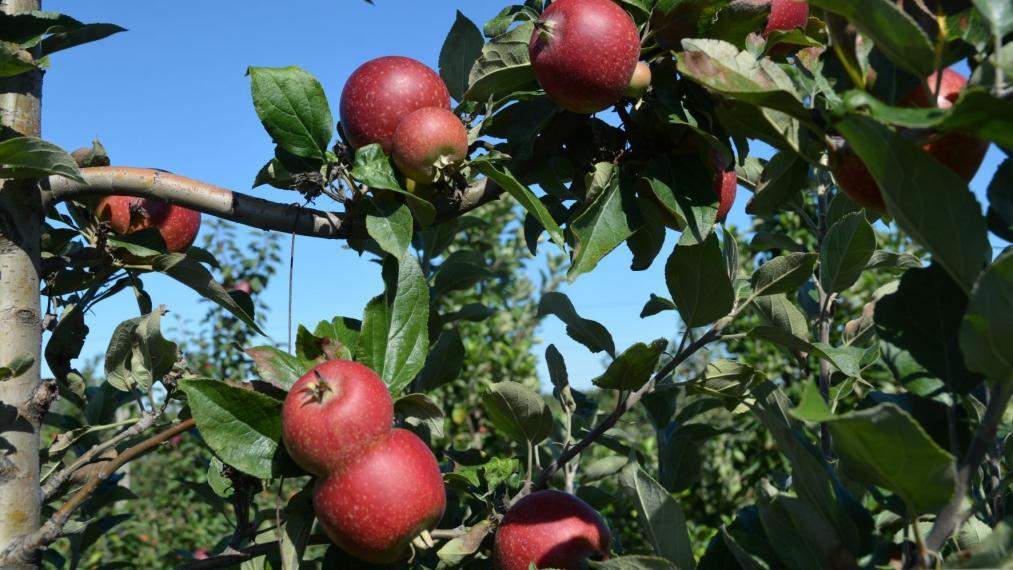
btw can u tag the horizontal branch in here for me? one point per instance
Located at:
(27, 548)
(241, 208)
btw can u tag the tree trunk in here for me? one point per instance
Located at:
(20, 322)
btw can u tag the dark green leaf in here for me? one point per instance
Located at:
(1000, 201)
(444, 362)
(783, 274)
(633, 368)
(293, 108)
(524, 196)
(845, 251)
(518, 412)
(503, 67)
(798, 533)
(634, 562)
(462, 47)
(603, 225)
(585, 331)
(138, 354)
(242, 427)
(892, 31)
(783, 178)
(656, 305)
(698, 282)
(29, 157)
(276, 367)
(16, 367)
(929, 201)
(660, 516)
(687, 193)
(14, 60)
(422, 409)
(923, 317)
(80, 35)
(188, 271)
(986, 332)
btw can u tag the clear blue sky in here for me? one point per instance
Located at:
(171, 93)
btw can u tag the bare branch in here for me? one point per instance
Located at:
(26, 548)
(237, 207)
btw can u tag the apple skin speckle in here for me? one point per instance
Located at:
(383, 91)
(583, 53)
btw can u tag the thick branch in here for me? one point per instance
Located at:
(28, 547)
(946, 521)
(626, 405)
(237, 207)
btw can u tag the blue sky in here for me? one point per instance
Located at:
(172, 93)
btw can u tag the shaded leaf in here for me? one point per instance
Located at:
(585, 331)
(698, 282)
(519, 412)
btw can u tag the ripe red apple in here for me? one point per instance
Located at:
(129, 214)
(383, 91)
(379, 503)
(960, 153)
(334, 412)
(426, 139)
(243, 286)
(583, 53)
(640, 81)
(786, 15)
(551, 529)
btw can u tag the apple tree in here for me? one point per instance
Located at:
(859, 343)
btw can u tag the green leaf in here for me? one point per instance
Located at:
(999, 15)
(698, 282)
(892, 31)
(766, 241)
(14, 60)
(445, 361)
(780, 312)
(986, 331)
(603, 225)
(845, 251)
(518, 412)
(782, 179)
(503, 67)
(993, 552)
(634, 562)
(86, 33)
(395, 332)
(800, 536)
(783, 274)
(585, 331)
(923, 317)
(890, 260)
(506, 17)
(296, 529)
(1000, 201)
(188, 271)
(656, 305)
(722, 67)
(16, 367)
(457, 549)
(293, 109)
(422, 409)
(138, 354)
(460, 50)
(660, 516)
(372, 167)
(505, 180)
(687, 193)
(340, 337)
(885, 446)
(390, 224)
(847, 359)
(27, 27)
(633, 368)
(276, 367)
(929, 201)
(29, 157)
(242, 427)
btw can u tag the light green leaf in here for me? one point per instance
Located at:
(29, 157)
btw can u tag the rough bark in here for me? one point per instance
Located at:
(20, 323)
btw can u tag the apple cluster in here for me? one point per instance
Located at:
(404, 106)
(378, 487)
(960, 153)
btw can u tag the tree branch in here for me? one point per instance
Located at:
(237, 207)
(626, 405)
(27, 547)
(946, 520)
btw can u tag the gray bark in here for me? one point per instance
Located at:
(20, 322)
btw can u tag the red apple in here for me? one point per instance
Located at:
(243, 286)
(129, 214)
(333, 413)
(551, 529)
(427, 139)
(383, 91)
(640, 81)
(960, 153)
(786, 15)
(725, 185)
(583, 53)
(378, 504)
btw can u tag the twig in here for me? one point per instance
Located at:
(946, 520)
(56, 480)
(237, 207)
(234, 556)
(628, 403)
(26, 547)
